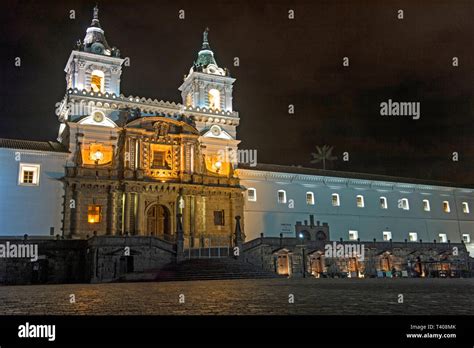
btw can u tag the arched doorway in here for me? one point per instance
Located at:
(282, 262)
(317, 264)
(386, 262)
(158, 222)
(304, 235)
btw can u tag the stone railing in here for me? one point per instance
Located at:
(121, 241)
(388, 245)
(111, 100)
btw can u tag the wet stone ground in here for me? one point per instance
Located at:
(246, 297)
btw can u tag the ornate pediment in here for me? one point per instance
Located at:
(162, 126)
(217, 132)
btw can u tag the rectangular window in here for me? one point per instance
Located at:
(387, 235)
(426, 205)
(442, 238)
(446, 208)
(252, 195)
(159, 160)
(93, 214)
(29, 174)
(383, 202)
(412, 236)
(219, 218)
(335, 200)
(466, 238)
(309, 198)
(465, 207)
(353, 235)
(360, 201)
(281, 196)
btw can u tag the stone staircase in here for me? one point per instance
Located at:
(202, 269)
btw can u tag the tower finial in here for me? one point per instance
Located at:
(96, 12)
(205, 41)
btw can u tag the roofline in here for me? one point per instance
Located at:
(350, 175)
(93, 56)
(52, 150)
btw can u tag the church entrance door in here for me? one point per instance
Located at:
(283, 264)
(158, 222)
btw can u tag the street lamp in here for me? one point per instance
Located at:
(301, 236)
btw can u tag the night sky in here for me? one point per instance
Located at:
(282, 62)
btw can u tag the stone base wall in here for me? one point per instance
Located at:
(416, 259)
(111, 258)
(59, 261)
(98, 259)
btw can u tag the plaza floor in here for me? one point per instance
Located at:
(246, 297)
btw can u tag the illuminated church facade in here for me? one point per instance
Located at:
(127, 165)
(136, 163)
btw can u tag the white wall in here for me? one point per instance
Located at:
(31, 210)
(266, 215)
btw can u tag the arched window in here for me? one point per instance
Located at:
(465, 207)
(383, 202)
(446, 208)
(97, 81)
(309, 198)
(189, 100)
(403, 204)
(281, 196)
(214, 99)
(360, 201)
(426, 205)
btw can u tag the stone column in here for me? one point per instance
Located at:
(192, 219)
(112, 212)
(127, 212)
(179, 238)
(238, 241)
(67, 211)
(77, 212)
(232, 213)
(139, 217)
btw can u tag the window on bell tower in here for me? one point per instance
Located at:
(97, 81)
(189, 100)
(214, 99)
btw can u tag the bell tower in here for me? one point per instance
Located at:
(87, 118)
(207, 98)
(207, 85)
(94, 66)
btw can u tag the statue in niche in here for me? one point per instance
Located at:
(161, 129)
(115, 52)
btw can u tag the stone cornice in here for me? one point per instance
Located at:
(113, 101)
(250, 174)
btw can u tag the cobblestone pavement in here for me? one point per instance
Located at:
(264, 296)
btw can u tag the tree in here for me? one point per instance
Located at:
(323, 154)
